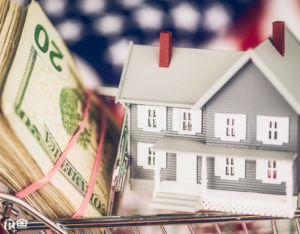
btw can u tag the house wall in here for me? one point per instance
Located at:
(249, 184)
(138, 135)
(250, 93)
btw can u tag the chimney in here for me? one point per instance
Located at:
(165, 50)
(278, 36)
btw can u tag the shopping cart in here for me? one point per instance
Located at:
(37, 221)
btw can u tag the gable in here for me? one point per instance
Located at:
(250, 92)
(283, 72)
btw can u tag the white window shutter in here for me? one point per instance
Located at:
(261, 169)
(141, 116)
(283, 129)
(242, 126)
(240, 167)
(260, 127)
(162, 118)
(161, 158)
(219, 125)
(141, 154)
(197, 121)
(220, 164)
(175, 119)
(282, 169)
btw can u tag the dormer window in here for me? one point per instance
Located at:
(187, 121)
(230, 127)
(151, 118)
(272, 130)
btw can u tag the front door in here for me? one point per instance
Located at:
(186, 168)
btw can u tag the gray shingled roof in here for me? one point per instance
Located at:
(283, 72)
(190, 74)
(195, 75)
(188, 146)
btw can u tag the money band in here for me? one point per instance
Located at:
(96, 166)
(46, 179)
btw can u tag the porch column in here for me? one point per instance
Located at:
(289, 188)
(157, 176)
(204, 177)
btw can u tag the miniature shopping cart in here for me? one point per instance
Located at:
(37, 221)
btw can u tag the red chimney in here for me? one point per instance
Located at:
(165, 50)
(278, 36)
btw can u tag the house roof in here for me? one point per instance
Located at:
(195, 75)
(190, 74)
(188, 146)
(282, 72)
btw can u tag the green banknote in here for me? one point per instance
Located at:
(42, 104)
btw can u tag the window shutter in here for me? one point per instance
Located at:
(162, 118)
(141, 116)
(141, 154)
(242, 126)
(283, 129)
(220, 163)
(282, 169)
(260, 127)
(162, 158)
(261, 169)
(197, 121)
(240, 167)
(219, 125)
(175, 119)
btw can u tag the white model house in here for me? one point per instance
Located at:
(215, 130)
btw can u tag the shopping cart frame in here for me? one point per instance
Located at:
(42, 223)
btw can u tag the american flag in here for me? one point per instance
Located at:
(98, 31)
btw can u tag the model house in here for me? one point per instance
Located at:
(215, 130)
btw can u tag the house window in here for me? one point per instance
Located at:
(151, 157)
(151, 118)
(186, 121)
(230, 127)
(272, 171)
(148, 158)
(230, 168)
(272, 130)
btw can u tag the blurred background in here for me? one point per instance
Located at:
(98, 32)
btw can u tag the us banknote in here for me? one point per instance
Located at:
(42, 103)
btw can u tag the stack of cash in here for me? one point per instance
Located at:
(42, 99)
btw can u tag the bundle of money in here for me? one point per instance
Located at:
(42, 99)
